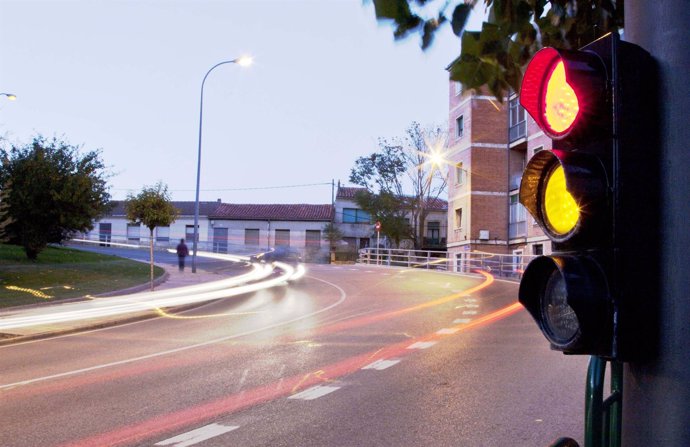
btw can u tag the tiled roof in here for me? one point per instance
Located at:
(185, 208)
(299, 212)
(348, 193)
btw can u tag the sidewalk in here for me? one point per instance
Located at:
(172, 279)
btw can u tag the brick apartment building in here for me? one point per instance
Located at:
(489, 145)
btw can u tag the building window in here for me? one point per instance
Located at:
(133, 232)
(354, 215)
(433, 233)
(538, 249)
(517, 123)
(537, 149)
(457, 87)
(251, 236)
(313, 238)
(458, 218)
(459, 174)
(162, 234)
(189, 233)
(283, 238)
(459, 126)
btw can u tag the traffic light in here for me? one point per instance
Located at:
(593, 195)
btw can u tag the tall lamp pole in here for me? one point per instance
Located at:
(243, 61)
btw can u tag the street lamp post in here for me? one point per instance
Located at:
(243, 61)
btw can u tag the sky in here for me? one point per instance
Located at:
(125, 77)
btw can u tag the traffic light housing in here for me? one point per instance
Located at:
(593, 195)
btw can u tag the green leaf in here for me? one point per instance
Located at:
(459, 18)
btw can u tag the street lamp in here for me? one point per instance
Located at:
(243, 61)
(10, 96)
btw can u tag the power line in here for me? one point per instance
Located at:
(237, 189)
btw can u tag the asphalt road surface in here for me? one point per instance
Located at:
(347, 356)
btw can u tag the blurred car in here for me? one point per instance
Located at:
(281, 253)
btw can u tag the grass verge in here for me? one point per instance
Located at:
(61, 273)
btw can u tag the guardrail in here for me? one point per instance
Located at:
(504, 266)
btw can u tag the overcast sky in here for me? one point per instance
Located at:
(125, 77)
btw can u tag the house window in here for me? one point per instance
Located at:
(433, 232)
(459, 174)
(133, 232)
(458, 218)
(459, 126)
(457, 87)
(537, 149)
(163, 234)
(283, 238)
(355, 215)
(538, 249)
(313, 238)
(189, 233)
(251, 236)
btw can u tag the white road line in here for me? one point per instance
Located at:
(422, 345)
(470, 312)
(448, 331)
(470, 300)
(381, 364)
(467, 306)
(462, 321)
(314, 392)
(198, 435)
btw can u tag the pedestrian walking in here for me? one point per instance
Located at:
(182, 252)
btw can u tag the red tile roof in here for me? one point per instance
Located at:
(299, 212)
(348, 193)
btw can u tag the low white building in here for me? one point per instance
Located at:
(228, 228)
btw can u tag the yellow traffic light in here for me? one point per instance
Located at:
(560, 209)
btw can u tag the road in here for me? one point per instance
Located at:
(348, 356)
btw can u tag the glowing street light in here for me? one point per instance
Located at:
(10, 96)
(243, 61)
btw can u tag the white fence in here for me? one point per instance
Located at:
(504, 266)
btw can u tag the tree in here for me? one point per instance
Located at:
(402, 180)
(152, 208)
(333, 235)
(48, 192)
(513, 32)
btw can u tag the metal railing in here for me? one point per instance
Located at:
(506, 266)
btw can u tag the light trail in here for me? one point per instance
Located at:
(150, 301)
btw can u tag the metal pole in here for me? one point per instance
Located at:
(198, 165)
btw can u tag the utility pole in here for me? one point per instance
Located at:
(656, 396)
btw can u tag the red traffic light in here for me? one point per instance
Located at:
(377, 226)
(565, 91)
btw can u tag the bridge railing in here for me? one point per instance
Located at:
(506, 266)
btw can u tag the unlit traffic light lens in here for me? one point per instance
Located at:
(560, 209)
(560, 101)
(559, 318)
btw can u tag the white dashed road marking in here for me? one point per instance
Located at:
(422, 345)
(314, 392)
(198, 435)
(448, 331)
(381, 364)
(462, 321)
(470, 312)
